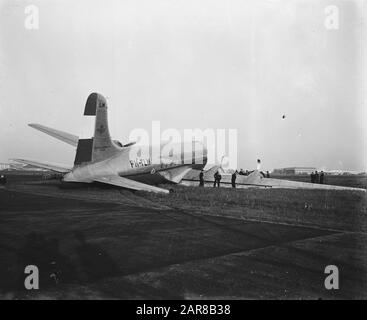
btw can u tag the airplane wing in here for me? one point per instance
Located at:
(129, 184)
(45, 165)
(213, 170)
(175, 174)
(60, 135)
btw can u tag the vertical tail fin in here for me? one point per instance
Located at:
(100, 147)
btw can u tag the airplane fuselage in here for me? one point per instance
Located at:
(132, 163)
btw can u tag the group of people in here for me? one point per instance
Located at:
(243, 173)
(317, 178)
(218, 177)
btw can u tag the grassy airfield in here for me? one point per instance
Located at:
(334, 209)
(97, 241)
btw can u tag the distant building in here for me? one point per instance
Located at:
(294, 170)
(344, 172)
(4, 166)
(19, 166)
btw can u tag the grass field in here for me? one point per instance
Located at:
(355, 181)
(106, 242)
(336, 209)
(323, 208)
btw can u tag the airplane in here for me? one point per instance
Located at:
(101, 159)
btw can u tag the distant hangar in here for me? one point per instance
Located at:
(294, 170)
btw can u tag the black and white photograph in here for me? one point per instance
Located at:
(195, 151)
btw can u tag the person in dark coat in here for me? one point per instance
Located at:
(217, 178)
(267, 174)
(233, 180)
(201, 179)
(317, 177)
(312, 177)
(322, 177)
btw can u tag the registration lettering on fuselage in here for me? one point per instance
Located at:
(140, 162)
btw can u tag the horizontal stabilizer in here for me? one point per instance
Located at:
(129, 184)
(60, 135)
(45, 165)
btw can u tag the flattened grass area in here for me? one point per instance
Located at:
(344, 210)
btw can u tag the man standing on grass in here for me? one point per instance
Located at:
(217, 178)
(201, 178)
(317, 177)
(322, 177)
(312, 177)
(233, 180)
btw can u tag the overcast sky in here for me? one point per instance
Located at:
(190, 64)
